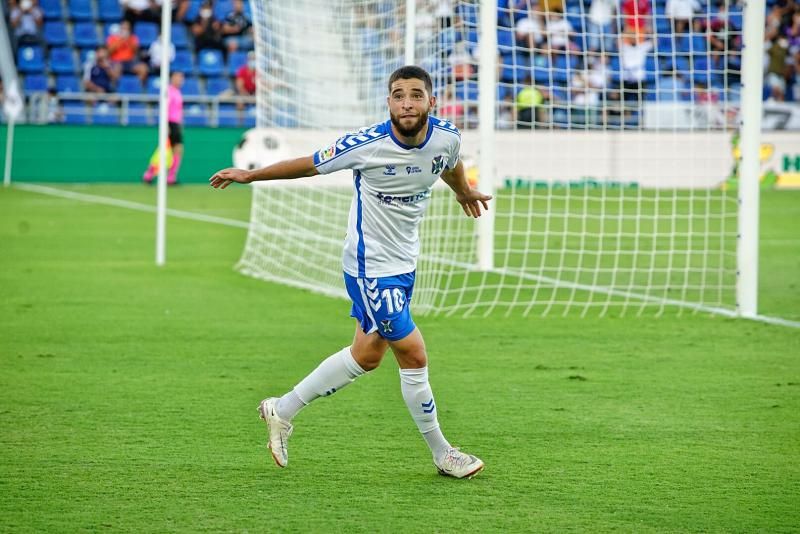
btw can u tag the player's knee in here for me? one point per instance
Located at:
(368, 358)
(415, 358)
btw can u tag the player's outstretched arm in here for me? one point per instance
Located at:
(470, 199)
(283, 170)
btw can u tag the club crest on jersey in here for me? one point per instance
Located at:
(413, 169)
(327, 153)
(437, 165)
(386, 324)
(390, 170)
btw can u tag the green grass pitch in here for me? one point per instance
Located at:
(128, 396)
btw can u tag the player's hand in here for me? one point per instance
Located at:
(471, 202)
(223, 178)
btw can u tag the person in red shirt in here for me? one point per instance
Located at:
(637, 15)
(246, 76)
(123, 50)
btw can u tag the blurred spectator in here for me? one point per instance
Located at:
(237, 30)
(461, 62)
(145, 10)
(55, 112)
(528, 30)
(681, 12)
(558, 30)
(179, 10)
(528, 103)
(600, 25)
(206, 30)
(779, 68)
(101, 76)
(671, 86)
(633, 52)
(505, 112)
(587, 86)
(450, 108)
(123, 50)
(26, 22)
(704, 94)
(636, 16)
(154, 55)
(246, 76)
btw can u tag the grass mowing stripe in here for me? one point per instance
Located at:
(558, 283)
(95, 199)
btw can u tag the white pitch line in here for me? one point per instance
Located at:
(109, 201)
(96, 199)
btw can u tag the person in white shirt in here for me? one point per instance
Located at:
(395, 165)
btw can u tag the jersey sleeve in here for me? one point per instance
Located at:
(339, 155)
(455, 153)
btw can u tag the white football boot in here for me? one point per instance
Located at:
(279, 431)
(457, 464)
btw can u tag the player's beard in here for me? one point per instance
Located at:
(414, 129)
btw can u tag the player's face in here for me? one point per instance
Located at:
(409, 105)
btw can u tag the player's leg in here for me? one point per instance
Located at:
(176, 140)
(418, 395)
(335, 372)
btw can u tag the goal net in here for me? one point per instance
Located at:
(611, 159)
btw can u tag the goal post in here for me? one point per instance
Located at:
(605, 138)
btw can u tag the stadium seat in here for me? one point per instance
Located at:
(210, 62)
(109, 11)
(105, 113)
(236, 60)
(222, 8)
(467, 91)
(129, 85)
(191, 87)
(183, 62)
(55, 33)
(80, 10)
(67, 83)
(147, 32)
(180, 37)
(30, 59)
(153, 85)
(62, 61)
(228, 116)
(193, 11)
(505, 41)
(215, 86)
(51, 9)
(34, 83)
(74, 113)
(249, 117)
(85, 34)
(195, 115)
(138, 114)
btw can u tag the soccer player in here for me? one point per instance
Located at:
(394, 164)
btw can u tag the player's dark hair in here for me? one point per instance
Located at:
(409, 72)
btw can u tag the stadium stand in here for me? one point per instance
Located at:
(73, 28)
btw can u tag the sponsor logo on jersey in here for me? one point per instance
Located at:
(390, 200)
(437, 165)
(327, 153)
(390, 170)
(413, 169)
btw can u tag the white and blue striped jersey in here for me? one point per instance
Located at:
(393, 183)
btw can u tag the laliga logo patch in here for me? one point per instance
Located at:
(328, 153)
(413, 169)
(437, 165)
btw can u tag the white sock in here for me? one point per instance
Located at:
(334, 373)
(419, 400)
